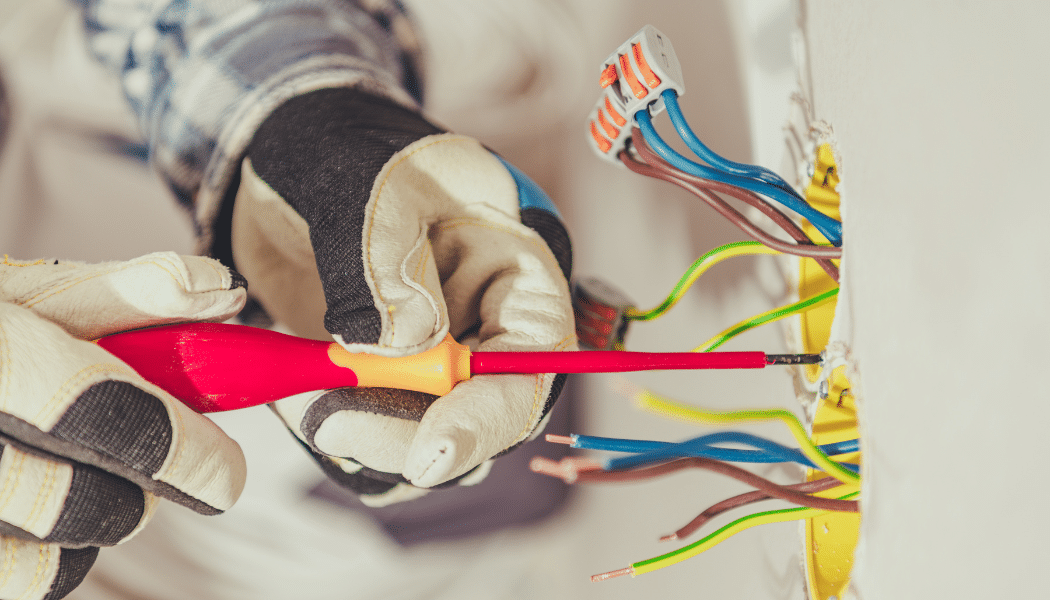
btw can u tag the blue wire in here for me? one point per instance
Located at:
(831, 228)
(769, 452)
(651, 451)
(591, 442)
(674, 111)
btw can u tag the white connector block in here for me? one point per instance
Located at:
(633, 78)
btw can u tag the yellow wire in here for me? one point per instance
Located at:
(806, 304)
(652, 402)
(701, 266)
(727, 531)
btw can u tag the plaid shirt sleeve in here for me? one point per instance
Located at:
(202, 75)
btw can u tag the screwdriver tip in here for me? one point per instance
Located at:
(793, 359)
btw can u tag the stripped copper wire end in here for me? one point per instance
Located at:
(670, 538)
(546, 466)
(568, 469)
(559, 439)
(611, 574)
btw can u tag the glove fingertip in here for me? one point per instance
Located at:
(212, 289)
(73, 567)
(237, 281)
(434, 459)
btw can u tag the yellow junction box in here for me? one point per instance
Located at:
(832, 538)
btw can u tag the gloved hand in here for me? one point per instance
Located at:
(86, 445)
(356, 208)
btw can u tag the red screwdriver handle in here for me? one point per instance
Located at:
(215, 367)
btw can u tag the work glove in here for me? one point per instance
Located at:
(358, 219)
(86, 445)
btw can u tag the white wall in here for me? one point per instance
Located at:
(940, 113)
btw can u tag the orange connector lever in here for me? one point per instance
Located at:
(214, 367)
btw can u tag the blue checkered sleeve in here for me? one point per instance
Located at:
(203, 74)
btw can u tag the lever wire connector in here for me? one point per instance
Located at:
(633, 77)
(600, 308)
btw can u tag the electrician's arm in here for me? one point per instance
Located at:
(202, 76)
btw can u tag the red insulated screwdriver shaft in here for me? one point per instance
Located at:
(609, 361)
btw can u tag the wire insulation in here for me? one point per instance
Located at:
(655, 403)
(775, 490)
(674, 111)
(654, 160)
(768, 317)
(807, 487)
(608, 444)
(645, 451)
(828, 226)
(707, 190)
(653, 166)
(698, 268)
(727, 531)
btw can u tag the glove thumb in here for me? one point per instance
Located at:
(394, 308)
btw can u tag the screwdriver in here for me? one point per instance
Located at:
(214, 367)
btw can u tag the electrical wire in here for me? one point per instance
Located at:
(807, 487)
(698, 268)
(674, 111)
(650, 157)
(651, 165)
(768, 451)
(767, 317)
(584, 471)
(719, 536)
(647, 451)
(786, 196)
(593, 442)
(722, 468)
(655, 403)
(638, 143)
(828, 226)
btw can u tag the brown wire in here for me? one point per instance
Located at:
(808, 487)
(705, 189)
(773, 490)
(771, 211)
(723, 208)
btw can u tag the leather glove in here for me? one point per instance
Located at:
(355, 213)
(86, 445)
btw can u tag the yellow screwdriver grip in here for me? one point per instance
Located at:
(435, 371)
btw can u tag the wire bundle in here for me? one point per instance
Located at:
(634, 142)
(648, 154)
(713, 179)
(701, 266)
(646, 459)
